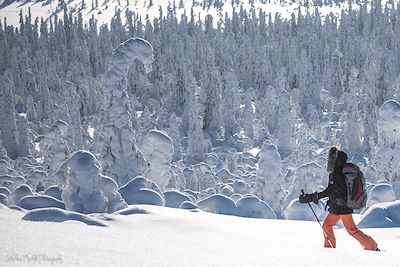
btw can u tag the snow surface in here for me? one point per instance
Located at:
(160, 236)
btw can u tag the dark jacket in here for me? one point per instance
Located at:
(337, 190)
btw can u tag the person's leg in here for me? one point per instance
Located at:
(329, 222)
(365, 240)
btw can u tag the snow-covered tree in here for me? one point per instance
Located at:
(120, 157)
(84, 189)
(8, 126)
(158, 150)
(269, 181)
(387, 154)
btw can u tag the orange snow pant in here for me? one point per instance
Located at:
(330, 241)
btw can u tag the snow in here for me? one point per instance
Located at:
(187, 205)
(18, 193)
(175, 237)
(252, 207)
(387, 155)
(3, 199)
(84, 189)
(219, 204)
(106, 9)
(142, 191)
(174, 198)
(59, 215)
(121, 160)
(301, 211)
(53, 191)
(5, 191)
(382, 215)
(157, 149)
(380, 193)
(246, 139)
(34, 202)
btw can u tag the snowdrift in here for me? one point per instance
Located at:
(252, 207)
(141, 191)
(219, 204)
(174, 199)
(59, 215)
(53, 191)
(382, 215)
(35, 202)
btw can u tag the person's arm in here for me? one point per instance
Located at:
(328, 190)
(314, 197)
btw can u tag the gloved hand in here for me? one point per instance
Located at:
(306, 198)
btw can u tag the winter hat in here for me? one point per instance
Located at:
(336, 159)
(332, 156)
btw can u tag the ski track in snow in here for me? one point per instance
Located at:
(174, 237)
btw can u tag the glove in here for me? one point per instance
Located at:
(306, 198)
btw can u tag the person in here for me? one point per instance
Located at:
(337, 194)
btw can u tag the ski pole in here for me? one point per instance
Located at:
(323, 230)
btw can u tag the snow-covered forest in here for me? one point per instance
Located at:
(232, 114)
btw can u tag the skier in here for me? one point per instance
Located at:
(337, 192)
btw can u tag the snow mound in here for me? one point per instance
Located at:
(84, 188)
(142, 191)
(301, 211)
(224, 175)
(132, 210)
(146, 196)
(53, 191)
(219, 204)
(241, 187)
(7, 181)
(236, 197)
(3, 199)
(5, 191)
(174, 199)
(157, 149)
(252, 207)
(18, 193)
(59, 215)
(192, 194)
(382, 215)
(187, 205)
(380, 193)
(35, 202)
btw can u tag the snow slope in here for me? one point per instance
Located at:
(106, 8)
(160, 236)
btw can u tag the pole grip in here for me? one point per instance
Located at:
(302, 191)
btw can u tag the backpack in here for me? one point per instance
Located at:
(355, 182)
